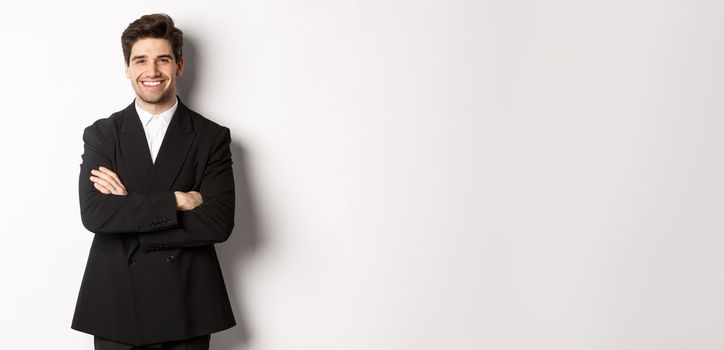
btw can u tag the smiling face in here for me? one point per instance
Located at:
(153, 70)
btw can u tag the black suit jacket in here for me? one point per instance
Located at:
(152, 273)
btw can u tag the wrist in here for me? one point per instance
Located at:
(180, 200)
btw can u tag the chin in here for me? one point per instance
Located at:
(155, 99)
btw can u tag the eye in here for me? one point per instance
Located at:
(165, 60)
(139, 61)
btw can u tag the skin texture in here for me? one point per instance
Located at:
(151, 60)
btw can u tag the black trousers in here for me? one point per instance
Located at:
(198, 343)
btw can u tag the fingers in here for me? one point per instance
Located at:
(182, 202)
(113, 176)
(100, 188)
(104, 186)
(107, 182)
(186, 201)
(110, 177)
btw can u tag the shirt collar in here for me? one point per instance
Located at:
(146, 116)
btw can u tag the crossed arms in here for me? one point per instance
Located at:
(162, 220)
(107, 182)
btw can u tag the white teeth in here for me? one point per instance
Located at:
(151, 83)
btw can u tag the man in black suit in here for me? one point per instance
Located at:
(157, 190)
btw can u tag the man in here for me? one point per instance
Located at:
(157, 189)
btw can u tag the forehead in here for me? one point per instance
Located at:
(151, 47)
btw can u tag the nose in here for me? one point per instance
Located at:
(153, 70)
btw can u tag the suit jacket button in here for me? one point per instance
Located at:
(170, 258)
(131, 262)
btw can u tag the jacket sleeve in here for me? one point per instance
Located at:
(213, 220)
(108, 213)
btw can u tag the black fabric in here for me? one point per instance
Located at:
(152, 273)
(197, 343)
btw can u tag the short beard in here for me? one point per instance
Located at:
(167, 95)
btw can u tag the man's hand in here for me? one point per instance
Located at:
(186, 201)
(107, 182)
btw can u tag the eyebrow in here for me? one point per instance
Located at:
(145, 56)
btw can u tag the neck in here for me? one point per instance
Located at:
(156, 108)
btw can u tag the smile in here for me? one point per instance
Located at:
(151, 83)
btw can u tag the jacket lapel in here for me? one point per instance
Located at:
(135, 167)
(134, 162)
(134, 159)
(174, 149)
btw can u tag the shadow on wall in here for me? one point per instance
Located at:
(187, 81)
(235, 252)
(244, 240)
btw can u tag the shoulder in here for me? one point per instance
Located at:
(202, 123)
(104, 129)
(207, 128)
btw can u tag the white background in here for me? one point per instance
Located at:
(412, 175)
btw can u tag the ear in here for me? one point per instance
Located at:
(180, 69)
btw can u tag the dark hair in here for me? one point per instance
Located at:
(158, 25)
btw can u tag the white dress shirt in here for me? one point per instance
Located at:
(155, 127)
